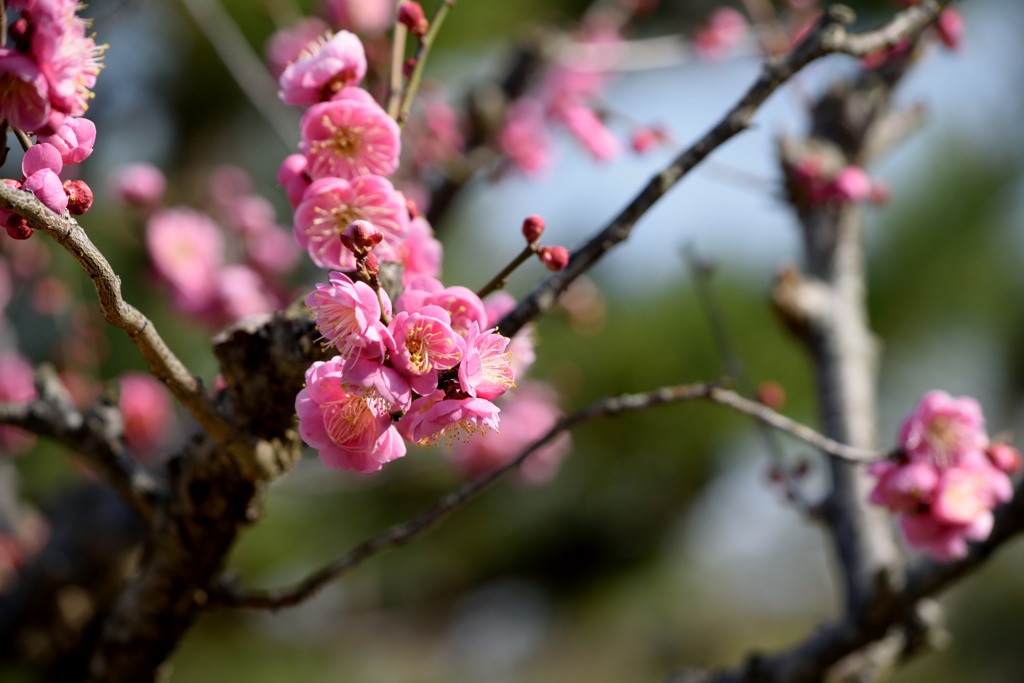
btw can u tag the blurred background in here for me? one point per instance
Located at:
(662, 542)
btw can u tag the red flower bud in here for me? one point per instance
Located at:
(408, 66)
(1004, 456)
(533, 228)
(361, 237)
(17, 227)
(555, 258)
(411, 14)
(79, 196)
(771, 394)
(372, 264)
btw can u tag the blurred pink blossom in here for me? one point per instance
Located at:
(138, 184)
(187, 249)
(16, 386)
(361, 16)
(287, 45)
(725, 30)
(434, 418)
(323, 68)
(148, 413)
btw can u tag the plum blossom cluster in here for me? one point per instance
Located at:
(947, 477)
(48, 67)
(424, 368)
(221, 266)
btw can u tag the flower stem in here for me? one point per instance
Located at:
(498, 281)
(422, 51)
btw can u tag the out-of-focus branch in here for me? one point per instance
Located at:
(893, 601)
(405, 532)
(412, 84)
(828, 36)
(96, 435)
(162, 362)
(245, 66)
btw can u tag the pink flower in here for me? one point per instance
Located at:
(950, 27)
(361, 16)
(345, 413)
(273, 251)
(16, 386)
(420, 252)
(293, 178)
(1003, 456)
(433, 418)
(41, 166)
(526, 415)
(523, 138)
(240, 293)
(422, 344)
(25, 103)
(74, 139)
(725, 30)
(967, 493)
(138, 184)
(187, 249)
(904, 488)
(323, 68)
(68, 57)
(147, 411)
(944, 430)
(486, 367)
(942, 541)
(350, 137)
(287, 45)
(521, 346)
(851, 184)
(589, 130)
(330, 205)
(462, 304)
(348, 315)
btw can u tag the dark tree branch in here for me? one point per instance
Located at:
(405, 532)
(96, 435)
(829, 36)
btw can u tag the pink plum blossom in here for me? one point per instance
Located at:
(944, 430)
(16, 386)
(725, 30)
(273, 252)
(287, 45)
(1003, 456)
(147, 411)
(950, 27)
(68, 56)
(138, 184)
(589, 130)
(74, 139)
(187, 249)
(904, 488)
(523, 138)
(348, 315)
(422, 343)
(345, 413)
(462, 304)
(361, 16)
(417, 289)
(521, 346)
(323, 68)
(420, 252)
(292, 176)
(967, 493)
(944, 541)
(486, 366)
(349, 137)
(25, 104)
(42, 165)
(433, 418)
(526, 415)
(330, 205)
(240, 292)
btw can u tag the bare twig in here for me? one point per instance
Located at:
(397, 65)
(244, 65)
(829, 36)
(162, 362)
(499, 280)
(405, 532)
(95, 435)
(412, 84)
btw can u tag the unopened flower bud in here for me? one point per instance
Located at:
(361, 237)
(1004, 456)
(79, 196)
(411, 14)
(771, 394)
(17, 227)
(555, 258)
(408, 66)
(533, 228)
(950, 26)
(19, 30)
(372, 264)
(411, 208)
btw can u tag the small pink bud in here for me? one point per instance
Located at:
(361, 237)
(533, 228)
(19, 30)
(555, 258)
(950, 26)
(851, 184)
(372, 264)
(408, 66)
(17, 227)
(645, 139)
(79, 196)
(1004, 456)
(411, 14)
(771, 394)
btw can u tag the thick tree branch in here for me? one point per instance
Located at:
(829, 36)
(96, 435)
(405, 532)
